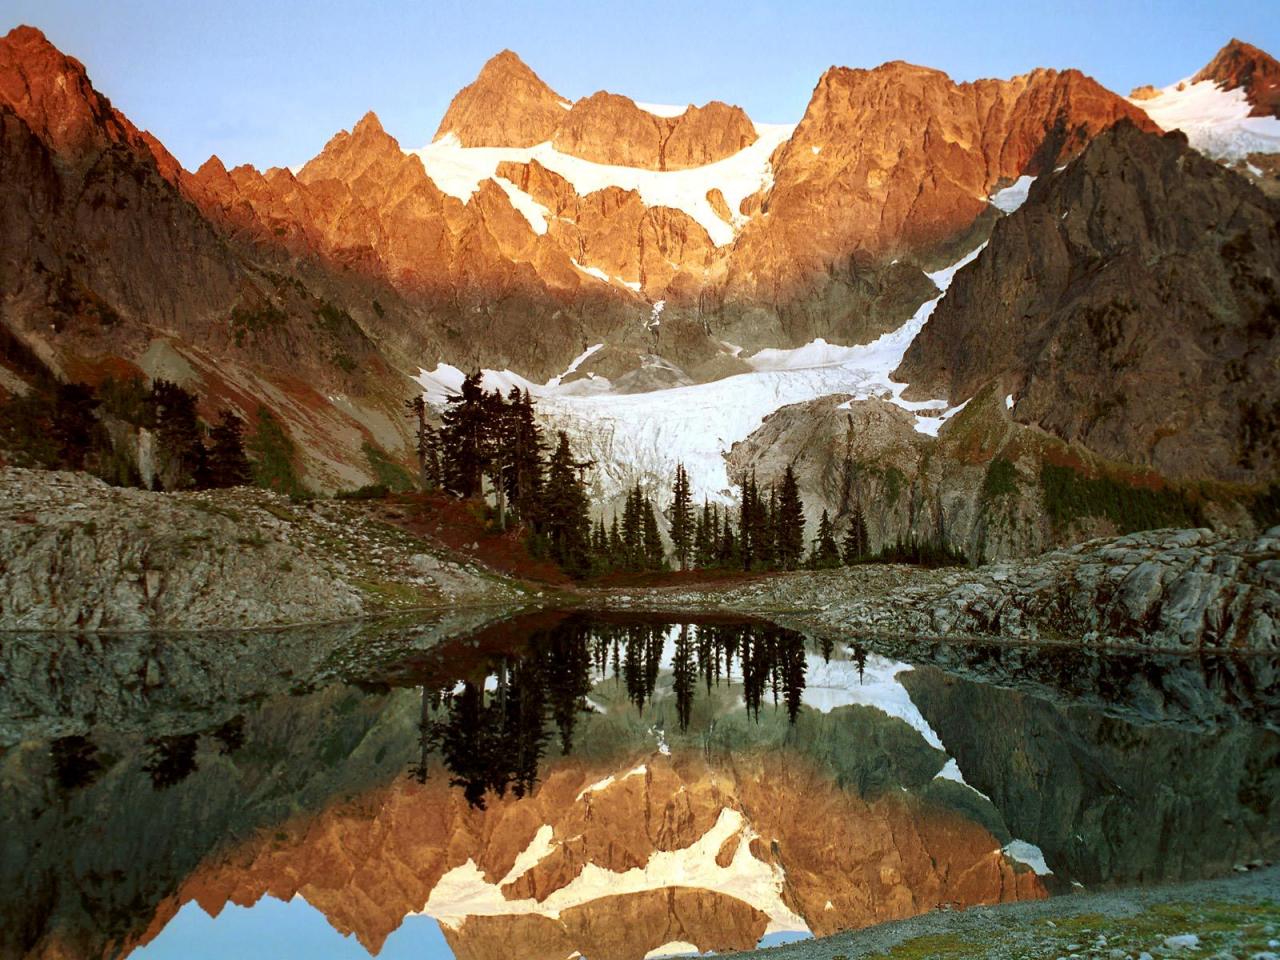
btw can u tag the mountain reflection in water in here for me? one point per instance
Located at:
(602, 784)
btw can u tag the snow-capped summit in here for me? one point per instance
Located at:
(1228, 110)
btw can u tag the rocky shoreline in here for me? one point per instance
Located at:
(1165, 589)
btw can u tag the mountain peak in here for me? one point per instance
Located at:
(349, 155)
(1241, 65)
(52, 94)
(507, 105)
(369, 123)
(506, 60)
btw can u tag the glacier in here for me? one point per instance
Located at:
(640, 437)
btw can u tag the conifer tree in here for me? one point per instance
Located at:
(466, 437)
(523, 437)
(730, 551)
(767, 530)
(654, 555)
(632, 532)
(418, 412)
(704, 538)
(73, 424)
(825, 552)
(227, 465)
(856, 544)
(617, 549)
(178, 434)
(682, 521)
(748, 520)
(565, 522)
(790, 523)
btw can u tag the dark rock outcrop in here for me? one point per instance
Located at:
(1133, 305)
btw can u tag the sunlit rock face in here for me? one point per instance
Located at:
(1242, 66)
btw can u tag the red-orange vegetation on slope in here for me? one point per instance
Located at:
(465, 527)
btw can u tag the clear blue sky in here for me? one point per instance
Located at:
(269, 81)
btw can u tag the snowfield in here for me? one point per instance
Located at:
(459, 170)
(642, 436)
(1216, 121)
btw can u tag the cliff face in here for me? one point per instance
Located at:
(896, 161)
(608, 128)
(507, 105)
(1130, 305)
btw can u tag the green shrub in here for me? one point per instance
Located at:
(926, 553)
(334, 320)
(1265, 507)
(1001, 479)
(387, 472)
(246, 320)
(274, 456)
(893, 483)
(1070, 495)
(370, 491)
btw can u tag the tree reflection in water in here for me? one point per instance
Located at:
(491, 728)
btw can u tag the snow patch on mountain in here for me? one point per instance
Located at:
(459, 171)
(1023, 852)
(529, 208)
(464, 892)
(1216, 121)
(1013, 196)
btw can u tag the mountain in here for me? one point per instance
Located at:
(1242, 66)
(893, 164)
(743, 253)
(1149, 332)
(1229, 110)
(507, 105)
(644, 246)
(109, 268)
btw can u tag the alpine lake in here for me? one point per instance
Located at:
(604, 785)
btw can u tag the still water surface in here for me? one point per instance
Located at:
(610, 786)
